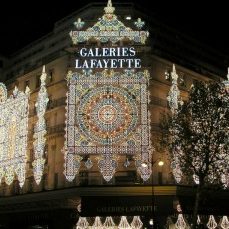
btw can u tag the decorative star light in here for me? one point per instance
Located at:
(40, 130)
(139, 23)
(211, 222)
(124, 223)
(174, 94)
(109, 28)
(180, 224)
(107, 120)
(136, 223)
(13, 134)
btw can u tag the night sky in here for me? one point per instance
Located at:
(22, 22)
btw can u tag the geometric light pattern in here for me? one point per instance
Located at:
(224, 222)
(40, 130)
(109, 223)
(211, 222)
(13, 134)
(180, 224)
(109, 28)
(107, 115)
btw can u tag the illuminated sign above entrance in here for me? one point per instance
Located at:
(118, 57)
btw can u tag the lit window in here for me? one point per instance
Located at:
(128, 17)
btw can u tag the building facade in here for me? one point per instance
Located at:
(57, 202)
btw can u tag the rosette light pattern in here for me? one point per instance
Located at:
(13, 134)
(109, 28)
(107, 115)
(40, 130)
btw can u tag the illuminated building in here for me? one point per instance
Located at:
(79, 178)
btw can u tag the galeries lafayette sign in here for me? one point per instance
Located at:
(114, 57)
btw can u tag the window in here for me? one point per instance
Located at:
(38, 81)
(50, 75)
(26, 84)
(181, 79)
(168, 74)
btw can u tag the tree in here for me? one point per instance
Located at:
(197, 138)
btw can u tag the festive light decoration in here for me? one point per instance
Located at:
(226, 82)
(107, 118)
(82, 223)
(173, 97)
(40, 130)
(97, 224)
(174, 101)
(109, 223)
(224, 223)
(109, 28)
(124, 223)
(211, 222)
(198, 220)
(136, 223)
(13, 134)
(180, 224)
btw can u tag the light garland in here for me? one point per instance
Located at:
(174, 93)
(211, 222)
(107, 119)
(109, 28)
(13, 134)
(174, 101)
(40, 130)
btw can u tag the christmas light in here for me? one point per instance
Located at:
(97, 224)
(107, 119)
(124, 223)
(109, 28)
(180, 224)
(40, 130)
(211, 222)
(174, 94)
(82, 223)
(13, 134)
(224, 222)
(136, 223)
(109, 223)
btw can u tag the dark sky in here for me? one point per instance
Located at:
(22, 22)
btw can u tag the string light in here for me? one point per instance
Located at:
(13, 134)
(180, 224)
(211, 222)
(109, 28)
(124, 223)
(114, 122)
(224, 222)
(40, 130)
(136, 223)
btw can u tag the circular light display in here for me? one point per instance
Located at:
(107, 114)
